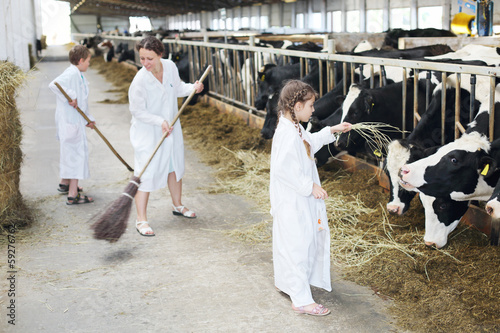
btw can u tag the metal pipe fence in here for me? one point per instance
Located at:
(235, 78)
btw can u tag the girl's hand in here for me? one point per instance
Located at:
(318, 192)
(91, 124)
(165, 127)
(198, 86)
(73, 103)
(343, 127)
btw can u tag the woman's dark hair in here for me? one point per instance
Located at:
(151, 43)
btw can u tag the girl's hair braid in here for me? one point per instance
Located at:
(295, 91)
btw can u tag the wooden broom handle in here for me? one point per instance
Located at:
(95, 128)
(207, 71)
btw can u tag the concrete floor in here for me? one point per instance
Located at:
(190, 277)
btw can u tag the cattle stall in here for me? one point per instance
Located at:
(234, 87)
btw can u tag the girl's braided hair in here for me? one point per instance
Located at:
(292, 92)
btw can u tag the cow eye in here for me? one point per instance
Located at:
(453, 160)
(442, 206)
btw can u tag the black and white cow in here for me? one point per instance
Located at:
(427, 135)
(384, 105)
(107, 48)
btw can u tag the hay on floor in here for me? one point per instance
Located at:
(455, 289)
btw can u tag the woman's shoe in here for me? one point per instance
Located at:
(178, 211)
(143, 231)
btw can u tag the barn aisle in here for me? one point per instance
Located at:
(190, 277)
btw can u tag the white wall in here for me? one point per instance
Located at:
(85, 24)
(15, 37)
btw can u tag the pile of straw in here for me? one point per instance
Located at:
(13, 210)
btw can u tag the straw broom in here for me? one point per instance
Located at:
(95, 128)
(113, 222)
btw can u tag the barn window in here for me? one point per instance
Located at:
(236, 23)
(229, 23)
(315, 22)
(299, 21)
(139, 23)
(244, 23)
(335, 21)
(374, 20)
(264, 22)
(430, 17)
(400, 18)
(352, 21)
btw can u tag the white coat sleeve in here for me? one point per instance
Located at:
(319, 139)
(289, 171)
(64, 82)
(137, 97)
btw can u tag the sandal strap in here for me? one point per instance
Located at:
(178, 208)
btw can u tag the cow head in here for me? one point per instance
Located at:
(271, 120)
(265, 88)
(442, 216)
(399, 153)
(356, 107)
(457, 170)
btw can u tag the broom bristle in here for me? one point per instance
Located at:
(113, 222)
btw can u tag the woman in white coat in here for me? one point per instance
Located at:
(301, 237)
(153, 103)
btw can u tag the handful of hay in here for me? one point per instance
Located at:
(12, 208)
(372, 132)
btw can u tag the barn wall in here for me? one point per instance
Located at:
(110, 23)
(86, 24)
(14, 38)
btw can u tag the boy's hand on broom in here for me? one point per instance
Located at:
(318, 192)
(91, 124)
(165, 127)
(73, 103)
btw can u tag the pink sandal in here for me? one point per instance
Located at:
(319, 310)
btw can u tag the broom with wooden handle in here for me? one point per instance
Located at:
(95, 128)
(113, 222)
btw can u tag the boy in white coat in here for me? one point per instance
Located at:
(301, 237)
(70, 125)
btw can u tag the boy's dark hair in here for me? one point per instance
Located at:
(78, 52)
(151, 43)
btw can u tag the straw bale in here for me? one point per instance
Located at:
(12, 207)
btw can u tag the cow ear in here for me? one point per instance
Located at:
(340, 99)
(487, 165)
(369, 103)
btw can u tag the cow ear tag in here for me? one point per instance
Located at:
(377, 153)
(262, 78)
(485, 170)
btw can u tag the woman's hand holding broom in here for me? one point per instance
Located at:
(113, 222)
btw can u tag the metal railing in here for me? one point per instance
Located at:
(228, 82)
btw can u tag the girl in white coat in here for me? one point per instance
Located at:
(74, 163)
(301, 237)
(153, 103)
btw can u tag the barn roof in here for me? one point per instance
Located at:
(155, 8)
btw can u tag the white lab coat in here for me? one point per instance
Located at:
(301, 237)
(152, 102)
(70, 125)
